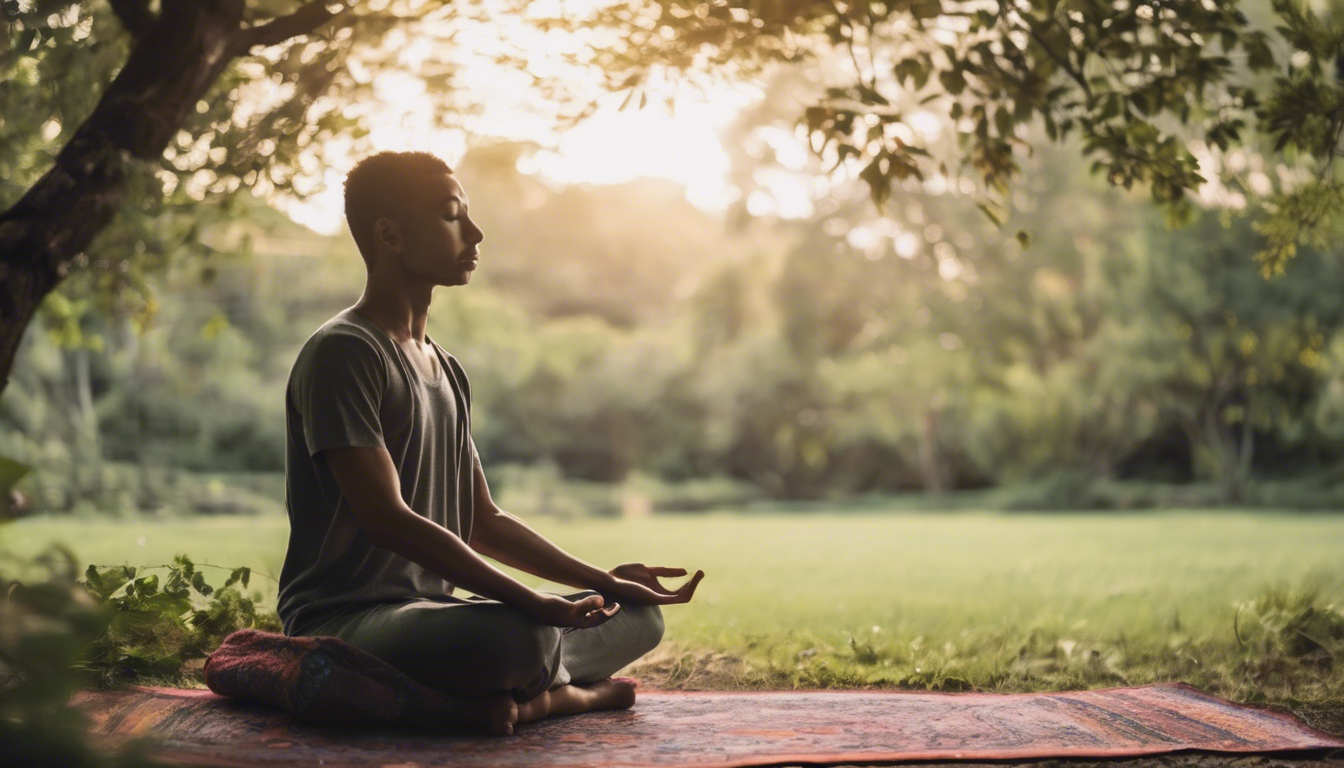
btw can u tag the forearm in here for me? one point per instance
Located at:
(443, 552)
(515, 544)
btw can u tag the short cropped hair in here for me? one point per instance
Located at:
(383, 185)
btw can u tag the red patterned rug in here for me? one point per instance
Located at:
(723, 729)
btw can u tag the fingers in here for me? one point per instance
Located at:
(599, 616)
(684, 594)
(657, 571)
(688, 589)
(588, 611)
(589, 603)
(656, 587)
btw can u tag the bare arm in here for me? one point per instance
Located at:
(500, 535)
(368, 480)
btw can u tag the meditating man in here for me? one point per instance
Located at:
(388, 505)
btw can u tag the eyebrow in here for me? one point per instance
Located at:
(446, 198)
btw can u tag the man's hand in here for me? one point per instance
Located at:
(638, 584)
(556, 611)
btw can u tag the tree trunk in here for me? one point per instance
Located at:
(1224, 446)
(170, 69)
(929, 465)
(88, 417)
(1246, 453)
(88, 451)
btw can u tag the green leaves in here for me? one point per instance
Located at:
(155, 628)
(1293, 627)
(912, 69)
(1259, 56)
(875, 175)
(49, 625)
(1309, 212)
(238, 574)
(103, 582)
(1137, 81)
(11, 472)
(952, 80)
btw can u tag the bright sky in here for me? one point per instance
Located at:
(610, 147)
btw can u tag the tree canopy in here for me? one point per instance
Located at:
(1137, 81)
(122, 113)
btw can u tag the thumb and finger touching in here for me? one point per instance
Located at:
(592, 610)
(688, 589)
(684, 592)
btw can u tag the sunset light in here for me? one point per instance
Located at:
(671, 382)
(680, 142)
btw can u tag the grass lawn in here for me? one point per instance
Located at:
(947, 601)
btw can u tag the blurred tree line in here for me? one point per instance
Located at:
(619, 332)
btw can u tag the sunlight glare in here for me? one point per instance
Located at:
(613, 147)
(610, 147)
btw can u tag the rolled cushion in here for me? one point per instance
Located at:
(325, 680)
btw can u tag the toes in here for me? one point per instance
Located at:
(621, 697)
(502, 713)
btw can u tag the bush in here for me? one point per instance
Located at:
(1290, 628)
(49, 624)
(692, 495)
(154, 633)
(1060, 490)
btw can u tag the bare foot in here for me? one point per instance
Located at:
(611, 693)
(503, 713)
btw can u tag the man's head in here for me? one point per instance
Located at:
(407, 211)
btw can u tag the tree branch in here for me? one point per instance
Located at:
(849, 41)
(307, 18)
(134, 15)
(1076, 74)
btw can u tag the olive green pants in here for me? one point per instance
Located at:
(475, 647)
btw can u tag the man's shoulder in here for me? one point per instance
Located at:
(342, 331)
(339, 341)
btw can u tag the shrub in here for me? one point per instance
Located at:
(155, 631)
(48, 624)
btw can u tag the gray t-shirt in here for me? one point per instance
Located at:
(352, 385)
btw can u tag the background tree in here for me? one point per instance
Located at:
(158, 112)
(1135, 80)
(1131, 78)
(1228, 358)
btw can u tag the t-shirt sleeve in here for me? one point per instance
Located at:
(338, 390)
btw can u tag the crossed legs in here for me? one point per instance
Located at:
(478, 648)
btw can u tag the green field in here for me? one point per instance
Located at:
(940, 600)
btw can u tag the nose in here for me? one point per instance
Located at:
(473, 232)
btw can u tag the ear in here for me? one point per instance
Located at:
(387, 233)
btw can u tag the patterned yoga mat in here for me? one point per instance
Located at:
(723, 729)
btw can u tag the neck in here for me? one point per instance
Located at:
(400, 310)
